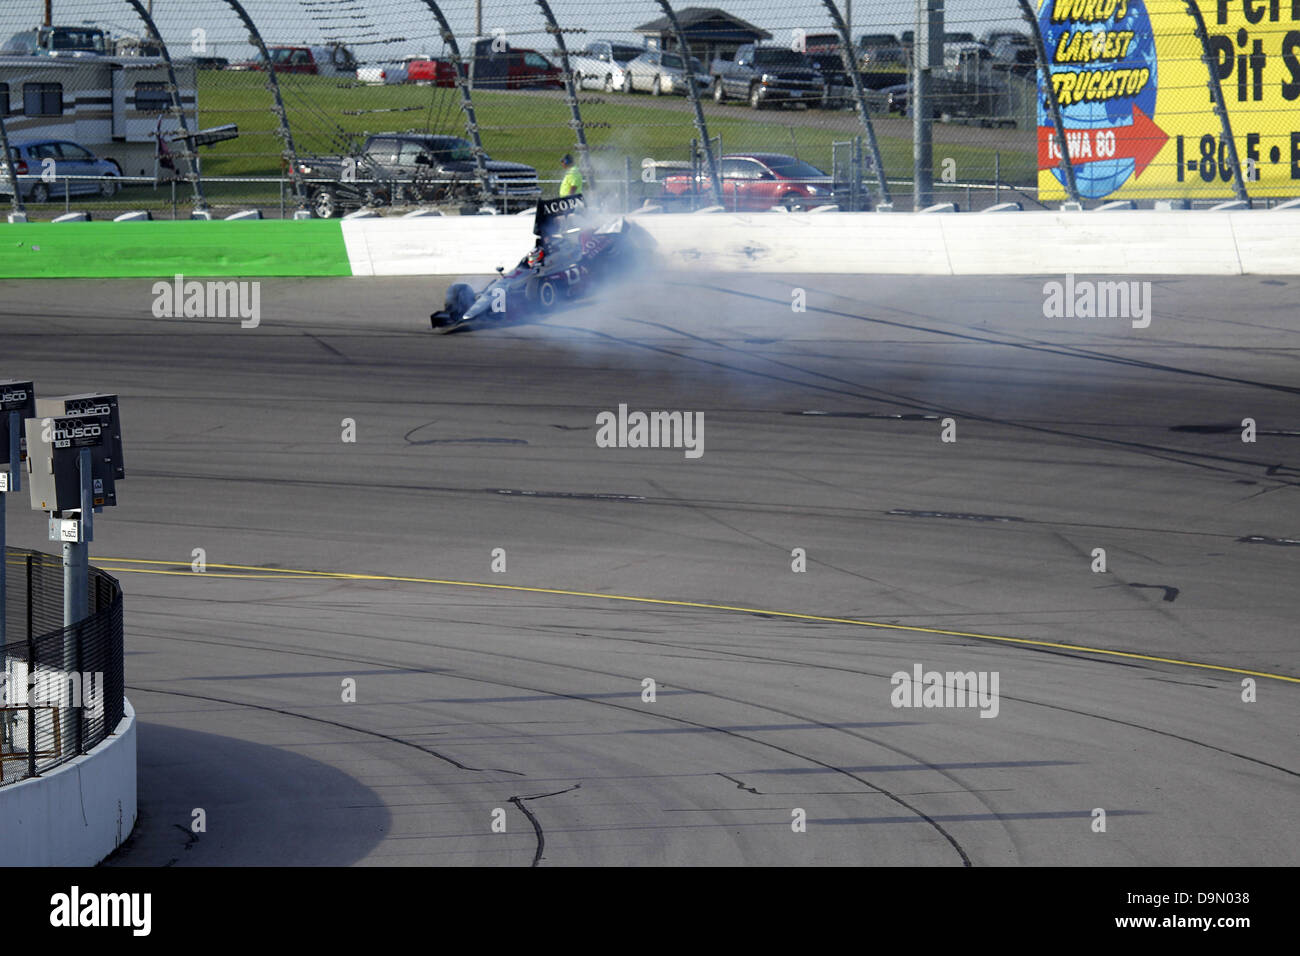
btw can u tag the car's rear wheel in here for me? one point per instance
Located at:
(719, 94)
(655, 88)
(40, 193)
(792, 202)
(577, 81)
(324, 204)
(609, 82)
(108, 186)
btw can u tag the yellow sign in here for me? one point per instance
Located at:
(1135, 101)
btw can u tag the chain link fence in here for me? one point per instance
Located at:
(62, 690)
(398, 105)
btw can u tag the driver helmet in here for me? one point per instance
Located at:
(536, 256)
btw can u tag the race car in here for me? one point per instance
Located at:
(571, 259)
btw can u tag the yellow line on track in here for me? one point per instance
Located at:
(109, 564)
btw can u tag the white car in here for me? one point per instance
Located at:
(389, 73)
(658, 72)
(601, 65)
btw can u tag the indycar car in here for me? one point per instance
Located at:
(571, 259)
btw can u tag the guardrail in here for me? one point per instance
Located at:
(61, 688)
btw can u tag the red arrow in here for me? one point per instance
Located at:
(1140, 142)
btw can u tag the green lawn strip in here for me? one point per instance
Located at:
(529, 129)
(163, 249)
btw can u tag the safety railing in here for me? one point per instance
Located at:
(61, 688)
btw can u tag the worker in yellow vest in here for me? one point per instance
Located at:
(572, 182)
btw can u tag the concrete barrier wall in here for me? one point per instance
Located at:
(1134, 242)
(76, 814)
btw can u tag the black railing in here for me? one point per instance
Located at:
(61, 688)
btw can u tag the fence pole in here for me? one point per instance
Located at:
(290, 153)
(849, 60)
(1053, 105)
(570, 92)
(200, 201)
(1216, 96)
(928, 42)
(700, 125)
(466, 101)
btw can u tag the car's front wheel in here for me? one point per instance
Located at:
(627, 82)
(719, 94)
(656, 88)
(756, 97)
(543, 294)
(577, 81)
(108, 186)
(324, 203)
(40, 193)
(609, 82)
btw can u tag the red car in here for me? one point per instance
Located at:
(515, 68)
(435, 72)
(756, 181)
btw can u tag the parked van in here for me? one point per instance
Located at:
(111, 105)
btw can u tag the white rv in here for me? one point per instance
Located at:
(109, 104)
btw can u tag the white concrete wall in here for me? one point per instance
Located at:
(1135, 242)
(76, 814)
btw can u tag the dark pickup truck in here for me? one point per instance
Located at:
(413, 167)
(767, 76)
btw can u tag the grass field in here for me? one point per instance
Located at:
(528, 128)
(532, 128)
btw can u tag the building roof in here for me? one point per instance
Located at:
(707, 23)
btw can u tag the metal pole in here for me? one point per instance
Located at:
(700, 125)
(1053, 105)
(927, 53)
(570, 92)
(200, 201)
(76, 557)
(290, 152)
(466, 101)
(1216, 96)
(849, 60)
(31, 669)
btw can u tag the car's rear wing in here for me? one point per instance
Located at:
(550, 211)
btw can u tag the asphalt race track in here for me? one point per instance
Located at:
(522, 691)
